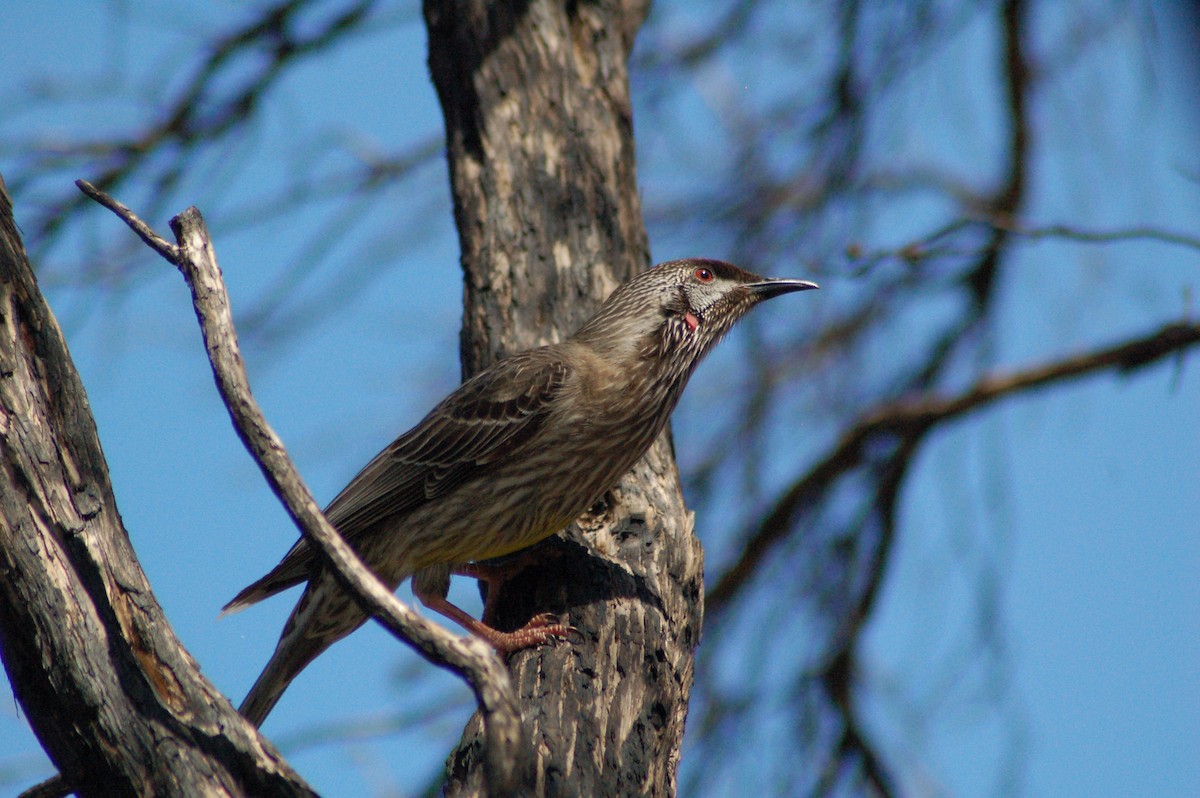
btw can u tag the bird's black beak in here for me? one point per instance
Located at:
(769, 288)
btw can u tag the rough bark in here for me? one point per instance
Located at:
(540, 146)
(115, 700)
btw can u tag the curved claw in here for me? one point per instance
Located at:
(549, 623)
(542, 628)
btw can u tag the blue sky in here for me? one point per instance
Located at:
(1089, 496)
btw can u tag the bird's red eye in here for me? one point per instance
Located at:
(704, 274)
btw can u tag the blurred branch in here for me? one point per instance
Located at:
(838, 678)
(800, 175)
(912, 420)
(940, 243)
(470, 658)
(697, 50)
(225, 94)
(367, 174)
(204, 111)
(1073, 233)
(980, 279)
(221, 94)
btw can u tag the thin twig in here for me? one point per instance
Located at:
(940, 242)
(1072, 233)
(470, 658)
(144, 231)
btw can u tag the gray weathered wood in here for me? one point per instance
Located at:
(115, 700)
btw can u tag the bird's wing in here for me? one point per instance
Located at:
(482, 423)
(488, 419)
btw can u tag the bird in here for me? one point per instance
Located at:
(512, 456)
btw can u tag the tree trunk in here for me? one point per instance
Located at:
(540, 145)
(115, 700)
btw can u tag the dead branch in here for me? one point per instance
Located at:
(90, 656)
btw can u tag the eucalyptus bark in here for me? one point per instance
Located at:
(117, 703)
(540, 146)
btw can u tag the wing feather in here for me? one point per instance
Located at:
(489, 419)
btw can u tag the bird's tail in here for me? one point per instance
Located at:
(281, 577)
(290, 657)
(323, 616)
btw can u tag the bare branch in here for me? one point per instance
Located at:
(470, 658)
(79, 625)
(911, 420)
(941, 243)
(1073, 233)
(210, 105)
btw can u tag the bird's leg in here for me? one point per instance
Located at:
(431, 592)
(540, 629)
(496, 573)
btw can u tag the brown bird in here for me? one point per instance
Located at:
(512, 456)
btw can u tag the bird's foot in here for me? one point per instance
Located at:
(494, 574)
(544, 628)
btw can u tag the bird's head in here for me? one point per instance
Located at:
(680, 309)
